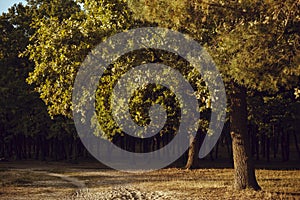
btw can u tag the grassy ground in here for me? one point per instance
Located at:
(43, 181)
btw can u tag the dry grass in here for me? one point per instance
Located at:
(163, 184)
(197, 184)
(24, 184)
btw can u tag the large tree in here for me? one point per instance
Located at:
(254, 44)
(245, 45)
(61, 43)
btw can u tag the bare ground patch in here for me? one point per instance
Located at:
(69, 182)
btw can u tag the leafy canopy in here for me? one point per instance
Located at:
(254, 43)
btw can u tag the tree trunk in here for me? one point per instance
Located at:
(263, 145)
(37, 148)
(287, 146)
(268, 148)
(43, 148)
(217, 150)
(195, 144)
(244, 172)
(283, 144)
(296, 144)
(74, 150)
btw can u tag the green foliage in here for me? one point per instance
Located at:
(45, 9)
(22, 112)
(280, 111)
(61, 42)
(23, 115)
(148, 95)
(254, 43)
(297, 93)
(261, 52)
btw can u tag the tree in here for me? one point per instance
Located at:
(20, 121)
(61, 43)
(64, 35)
(253, 42)
(274, 117)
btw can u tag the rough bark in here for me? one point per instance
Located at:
(244, 172)
(195, 144)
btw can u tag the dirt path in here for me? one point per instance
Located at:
(74, 181)
(126, 191)
(122, 192)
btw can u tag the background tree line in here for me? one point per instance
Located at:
(256, 47)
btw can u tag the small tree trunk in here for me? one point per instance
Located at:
(268, 149)
(296, 144)
(263, 144)
(257, 147)
(274, 142)
(228, 146)
(74, 150)
(37, 148)
(287, 146)
(217, 150)
(195, 144)
(29, 147)
(283, 153)
(43, 148)
(244, 173)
